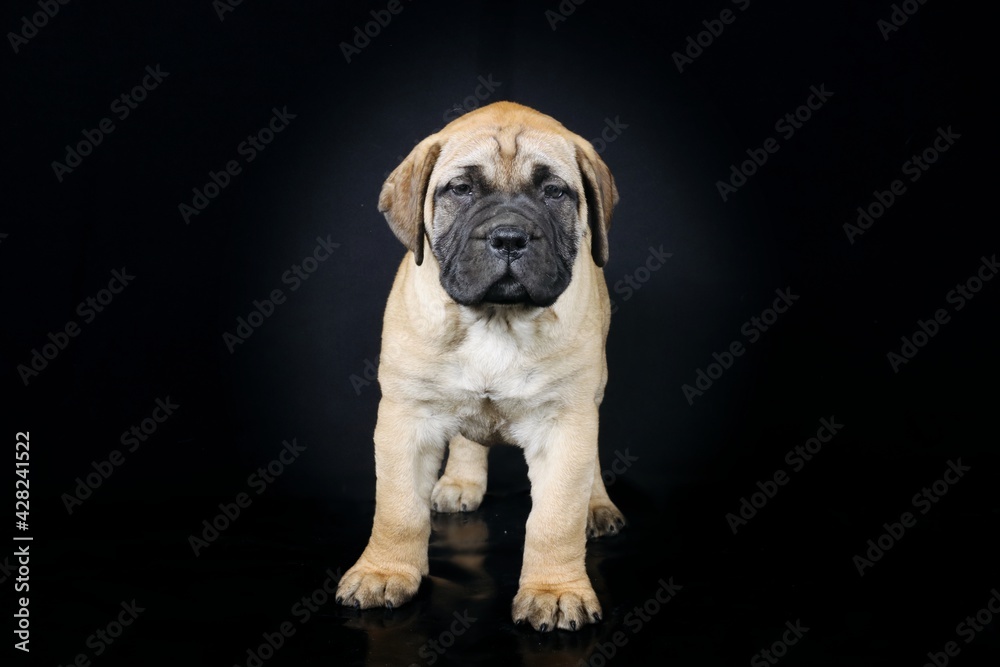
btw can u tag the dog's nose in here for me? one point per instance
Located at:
(508, 242)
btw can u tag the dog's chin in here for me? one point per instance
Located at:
(507, 291)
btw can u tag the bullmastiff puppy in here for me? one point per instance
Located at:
(494, 331)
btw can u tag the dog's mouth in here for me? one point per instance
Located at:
(507, 290)
(511, 268)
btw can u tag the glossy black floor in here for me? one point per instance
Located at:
(677, 587)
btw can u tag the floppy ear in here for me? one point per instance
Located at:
(601, 194)
(403, 194)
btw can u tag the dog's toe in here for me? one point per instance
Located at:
(563, 606)
(365, 586)
(457, 495)
(604, 519)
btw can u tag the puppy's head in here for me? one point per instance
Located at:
(506, 198)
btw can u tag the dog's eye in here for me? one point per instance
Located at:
(461, 189)
(553, 191)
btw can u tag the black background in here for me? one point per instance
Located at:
(302, 373)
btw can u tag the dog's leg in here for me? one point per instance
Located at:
(408, 452)
(463, 483)
(603, 517)
(555, 590)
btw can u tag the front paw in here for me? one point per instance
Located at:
(457, 495)
(567, 606)
(367, 585)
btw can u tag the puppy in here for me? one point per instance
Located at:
(494, 331)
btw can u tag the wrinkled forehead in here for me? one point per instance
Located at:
(508, 156)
